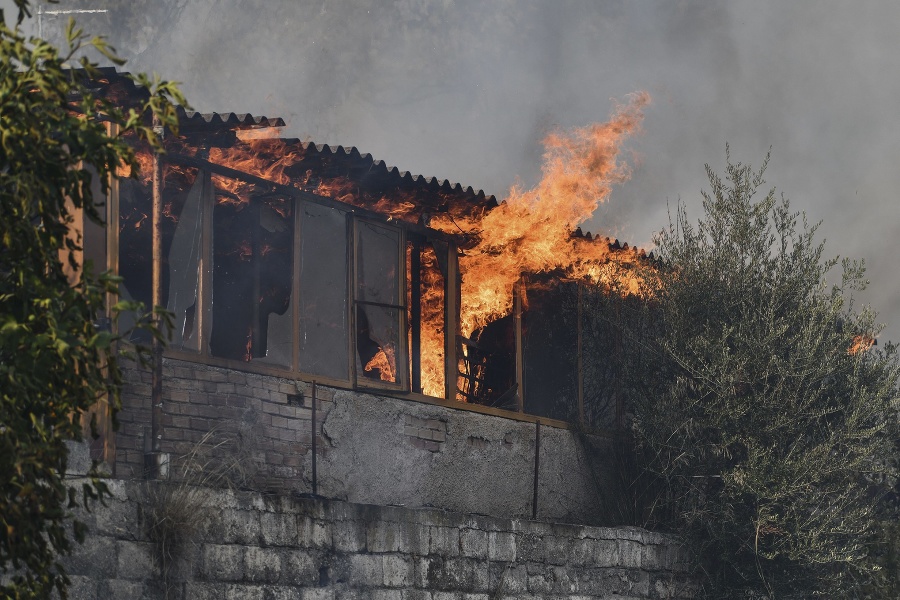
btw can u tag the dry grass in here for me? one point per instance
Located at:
(178, 508)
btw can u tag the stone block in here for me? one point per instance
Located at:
(446, 596)
(383, 536)
(317, 594)
(349, 536)
(413, 538)
(512, 580)
(366, 570)
(443, 541)
(529, 547)
(416, 595)
(557, 549)
(481, 576)
(136, 560)
(222, 562)
(501, 546)
(95, 558)
(245, 592)
(234, 526)
(119, 588)
(194, 590)
(387, 595)
(82, 588)
(262, 565)
(300, 568)
(313, 533)
(473, 543)
(629, 554)
(278, 529)
(398, 571)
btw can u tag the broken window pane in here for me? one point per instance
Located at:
(377, 342)
(378, 309)
(324, 331)
(184, 268)
(135, 234)
(252, 273)
(550, 348)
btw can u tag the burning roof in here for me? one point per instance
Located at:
(419, 276)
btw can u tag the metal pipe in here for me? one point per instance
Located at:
(518, 297)
(415, 317)
(314, 436)
(156, 412)
(537, 468)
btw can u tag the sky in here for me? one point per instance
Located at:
(465, 90)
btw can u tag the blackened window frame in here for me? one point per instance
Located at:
(353, 381)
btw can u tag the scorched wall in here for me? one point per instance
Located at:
(370, 449)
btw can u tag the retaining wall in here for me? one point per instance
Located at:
(251, 545)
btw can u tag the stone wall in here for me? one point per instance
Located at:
(370, 449)
(255, 546)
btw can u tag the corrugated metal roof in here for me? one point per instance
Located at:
(191, 121)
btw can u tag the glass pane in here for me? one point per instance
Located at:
(377, 341)
(253, 238)
(550, 347)
(324, 331)
(135, 237)
(378, 258)
(184, 269)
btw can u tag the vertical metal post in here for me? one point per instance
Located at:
(156, 413)
(518, 297)
(580, 343)
(415, 314)
(315, 435)
(537, 468)
(451, 323)
(203, 312)
(112, 264)
(256, 258)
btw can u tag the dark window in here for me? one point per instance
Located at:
(252, 274)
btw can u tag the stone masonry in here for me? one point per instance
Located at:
(255, 546)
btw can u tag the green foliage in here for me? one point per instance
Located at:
(55, 363)
(758, 404)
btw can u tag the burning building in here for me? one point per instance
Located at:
(322, 274)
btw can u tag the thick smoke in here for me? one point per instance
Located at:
(465, 90)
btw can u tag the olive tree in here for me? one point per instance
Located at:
(55, 362)
(760, 404)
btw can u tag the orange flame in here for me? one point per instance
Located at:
(145, 167)
(531, 231)
(263, 133)
(386, 363)
(861, 343)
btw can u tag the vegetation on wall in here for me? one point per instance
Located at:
(56, 358)
(762, 411)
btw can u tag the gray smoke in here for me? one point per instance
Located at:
(466, 89)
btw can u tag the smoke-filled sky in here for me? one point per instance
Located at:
(466, 89)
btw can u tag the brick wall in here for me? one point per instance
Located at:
(251, 545)
(370, 449)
